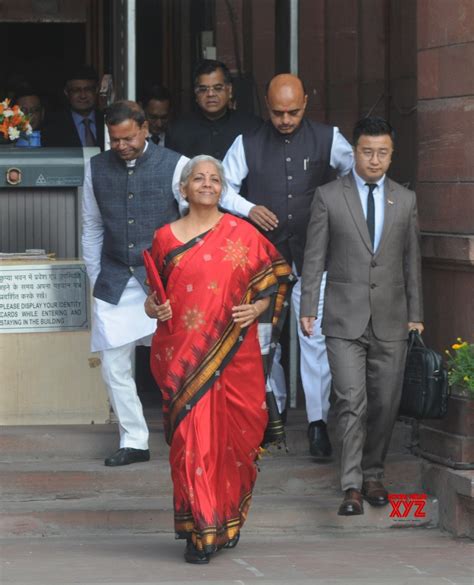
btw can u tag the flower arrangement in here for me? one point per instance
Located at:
(461, 365)
(13, 121)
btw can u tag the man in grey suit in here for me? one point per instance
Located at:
(364, 228)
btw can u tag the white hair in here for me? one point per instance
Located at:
(189, 168)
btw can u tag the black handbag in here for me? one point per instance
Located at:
(425, 384)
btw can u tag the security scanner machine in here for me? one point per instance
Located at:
(48, 373)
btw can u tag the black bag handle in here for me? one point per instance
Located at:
(415, 339)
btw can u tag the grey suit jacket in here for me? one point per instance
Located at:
(361, 285)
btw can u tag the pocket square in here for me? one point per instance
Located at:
(390, 202)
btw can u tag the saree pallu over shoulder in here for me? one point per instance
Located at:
(230, 265)
(211, 372)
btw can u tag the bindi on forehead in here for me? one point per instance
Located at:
(207, 173)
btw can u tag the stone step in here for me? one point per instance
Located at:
(31, 443)
(53, 482)
(292, 493)
(273, 513)
(281, 473)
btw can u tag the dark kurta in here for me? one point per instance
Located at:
(195, 134)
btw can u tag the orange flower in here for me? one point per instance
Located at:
(12, 121)
(457, 346)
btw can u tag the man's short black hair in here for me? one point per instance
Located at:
(123, 110)
(156, 92)
(82, 72)
(207, 66)
(25, 89)
(372, 126)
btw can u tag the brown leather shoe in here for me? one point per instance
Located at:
(352, 504)
(375, 493)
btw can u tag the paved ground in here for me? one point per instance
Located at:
(66, 519)
(394, 557)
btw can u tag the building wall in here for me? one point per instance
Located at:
(445, 181)
(411, 62)
(354, 58)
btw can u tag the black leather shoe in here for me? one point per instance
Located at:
(127, 455)
(375, 493)
(233, 542)
(352, 504)
(319, 444)
(195, 556)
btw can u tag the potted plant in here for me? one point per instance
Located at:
(450, 441)
(461, 368)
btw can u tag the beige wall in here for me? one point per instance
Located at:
(50, 378)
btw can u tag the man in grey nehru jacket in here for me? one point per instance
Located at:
(129, 192)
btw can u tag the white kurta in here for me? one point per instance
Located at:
(314, 366)
(117, 325)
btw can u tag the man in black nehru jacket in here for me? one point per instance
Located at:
(214, 126)
(283, 162)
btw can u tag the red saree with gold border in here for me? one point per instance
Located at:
(210, 372)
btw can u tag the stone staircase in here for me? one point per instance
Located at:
(53, 483)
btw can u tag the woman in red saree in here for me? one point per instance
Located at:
(220, 275)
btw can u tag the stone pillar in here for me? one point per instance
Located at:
(342, 64)
(253, 46)
(445, 178)
(312, 56)
(445, 189)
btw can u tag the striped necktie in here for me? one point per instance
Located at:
(88, 135)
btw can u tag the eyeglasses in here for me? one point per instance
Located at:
(368, 153)
(85, 89)
(203, 89)
(30, 111)
(154, 118)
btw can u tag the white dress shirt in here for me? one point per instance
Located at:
(236, 169)
(116, 325)
(379, 203)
